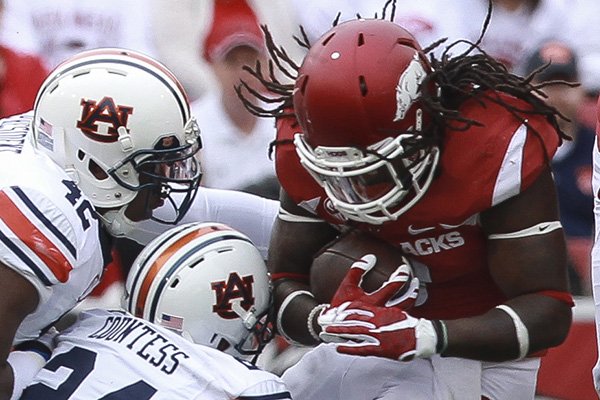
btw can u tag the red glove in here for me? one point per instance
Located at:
(367, 330)
(376, 324)
(350, 289)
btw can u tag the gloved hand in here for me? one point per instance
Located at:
(28, 358)
(376, 323)
(370, 330)
(350, 289)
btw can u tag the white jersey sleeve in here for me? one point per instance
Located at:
(49, 232)
(250, 214)
(111, 354)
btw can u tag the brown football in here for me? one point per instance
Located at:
(331, 264)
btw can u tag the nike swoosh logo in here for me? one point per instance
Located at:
(418, 231)
(542, 228)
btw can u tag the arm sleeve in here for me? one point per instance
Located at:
(250, 214)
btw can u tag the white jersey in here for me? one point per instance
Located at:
(49, 232)
(113, 355)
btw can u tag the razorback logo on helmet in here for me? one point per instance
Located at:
(407, 89)
(108, 114)
(235, 287)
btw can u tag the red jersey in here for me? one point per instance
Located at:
(479, 168)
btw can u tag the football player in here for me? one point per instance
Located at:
(447, 159)
(110, 139)
(198, 303)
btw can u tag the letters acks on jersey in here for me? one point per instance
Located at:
(479, 168)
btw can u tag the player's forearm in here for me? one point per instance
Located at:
(293, 304)
(494, 336)
(292, 248)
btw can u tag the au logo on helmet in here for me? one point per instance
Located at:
(235, 287)
(108, 114)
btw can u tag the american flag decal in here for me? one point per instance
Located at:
(171, 322)
(45, 134)
(46, 127)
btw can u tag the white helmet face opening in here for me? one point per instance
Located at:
(170, 167)
(375, 185)
(209, 283)
(119, 122)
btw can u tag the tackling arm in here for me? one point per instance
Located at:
(296, 237)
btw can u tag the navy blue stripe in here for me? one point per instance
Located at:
(176, 266)
(274, 396)
(47, 223)
(137, 277)
(20, 254)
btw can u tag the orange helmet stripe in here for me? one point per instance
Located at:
(160, 262)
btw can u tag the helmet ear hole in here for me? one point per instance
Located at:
(223, 345)
(97, 171)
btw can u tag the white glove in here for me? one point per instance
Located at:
(28, 358)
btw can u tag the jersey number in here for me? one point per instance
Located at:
(75, 365)
(83, 206)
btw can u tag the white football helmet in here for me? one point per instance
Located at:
(207, 282)
(118, 122)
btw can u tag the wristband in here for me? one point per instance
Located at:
(311, 316)
(540, 229)
(284, 304)
(442, 335)
(427, 339)
(520, 328)
(36, 347)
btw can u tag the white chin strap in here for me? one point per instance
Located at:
(117, 224)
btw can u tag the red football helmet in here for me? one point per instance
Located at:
(357, 101)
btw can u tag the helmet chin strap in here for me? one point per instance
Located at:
(117, 224)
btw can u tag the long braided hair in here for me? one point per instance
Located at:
(468, 75)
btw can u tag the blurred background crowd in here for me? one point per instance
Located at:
(207, 42)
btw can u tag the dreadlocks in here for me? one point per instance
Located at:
(457, 79)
